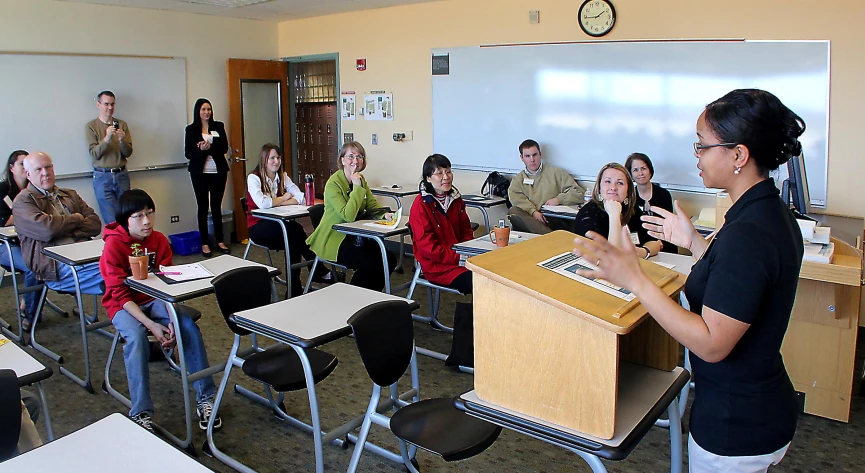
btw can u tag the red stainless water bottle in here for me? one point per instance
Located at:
(309, 190)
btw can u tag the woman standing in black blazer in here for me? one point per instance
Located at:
(206, 145)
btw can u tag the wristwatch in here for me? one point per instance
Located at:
(648, 253)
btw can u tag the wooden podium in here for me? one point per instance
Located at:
(820, 346)
(549, 347)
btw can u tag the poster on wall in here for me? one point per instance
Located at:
(348, 106)
(378, 106)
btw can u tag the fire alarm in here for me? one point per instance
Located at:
(361, 64)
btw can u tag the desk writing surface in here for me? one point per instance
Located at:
(315, 314)
(76, 253)
(122, 446)
(682, 263)
(8, 233)
(401, 191)
(516, 266)
(156, 287)
(639, 391)
(283, 211)
(361, 227)
(482, 244)
(13, 357)
(474, 200)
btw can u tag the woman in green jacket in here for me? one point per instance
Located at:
(347, 198)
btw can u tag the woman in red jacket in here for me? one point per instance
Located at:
(438, 220)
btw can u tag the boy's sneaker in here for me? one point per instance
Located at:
(205, 410)
(144, 420)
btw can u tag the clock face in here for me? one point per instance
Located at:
(596, 17)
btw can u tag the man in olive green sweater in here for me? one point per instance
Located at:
(540, 184)
(110, 145)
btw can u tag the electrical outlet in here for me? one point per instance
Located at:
(403, 136)
(175, 218)
(374, 139)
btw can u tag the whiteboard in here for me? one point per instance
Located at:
(46, 101)
(588, 104)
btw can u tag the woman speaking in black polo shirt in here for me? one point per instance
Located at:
(741, 290)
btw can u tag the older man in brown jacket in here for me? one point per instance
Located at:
(45, 216)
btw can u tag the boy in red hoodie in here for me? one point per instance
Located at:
(135, 314)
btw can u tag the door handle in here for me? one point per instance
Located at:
(238, 160)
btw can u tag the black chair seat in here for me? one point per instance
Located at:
(190, 312)
(437, 426)
(281, 368)
(475, 226)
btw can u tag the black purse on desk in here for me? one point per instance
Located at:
(497, 184)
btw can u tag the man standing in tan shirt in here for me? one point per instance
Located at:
(110, 146)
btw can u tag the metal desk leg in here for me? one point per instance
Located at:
(399, 260)
(48, 429)
(20, 335)
(85, 327)
(675, 437)
(184, 376)
(384, 261)
(313, 408)
(486, 219)
(287, 260)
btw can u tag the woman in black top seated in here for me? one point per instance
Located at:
(741, 290)
(15, 179)
(649, 194)
(613, 205)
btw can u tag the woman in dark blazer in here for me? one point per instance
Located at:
(205, 147)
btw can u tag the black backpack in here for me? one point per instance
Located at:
(497, 184)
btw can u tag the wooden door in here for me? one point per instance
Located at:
(239, 71)
(316, 135)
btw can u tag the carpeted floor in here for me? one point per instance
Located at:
(256, 437)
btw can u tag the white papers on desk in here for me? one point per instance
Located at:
(560, 209)
(819, 252)
(385, 224)
(286, 210)
(567, 264)
(666, 265)
(188, 272)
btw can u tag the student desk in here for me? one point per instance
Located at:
(376, 233)
(122, 446)
(29, 371)
(482, 203)
(173, 294)
(562, 213)
(482, 244)
(310, 321)
(281, 215)
(75, 255)
(397, 193)
(526, 315)
(9, 237)
(644, 393)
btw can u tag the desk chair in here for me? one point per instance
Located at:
(251, 243)
(190, 312)
(432, 319)
(316, 212)
(385, 340)
(14, 272)
(10, 414)
(278, 368)
(88, 322)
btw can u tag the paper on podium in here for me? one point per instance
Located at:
(567, 264)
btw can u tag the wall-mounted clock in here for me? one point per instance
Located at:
(596, 17)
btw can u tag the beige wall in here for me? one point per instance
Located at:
(205, 41)
(396, 43)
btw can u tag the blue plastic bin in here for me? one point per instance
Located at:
(186, 243)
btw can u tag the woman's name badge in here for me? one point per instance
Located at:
(634, 238)
(528, 182)
(8, 201)
(214, 134)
